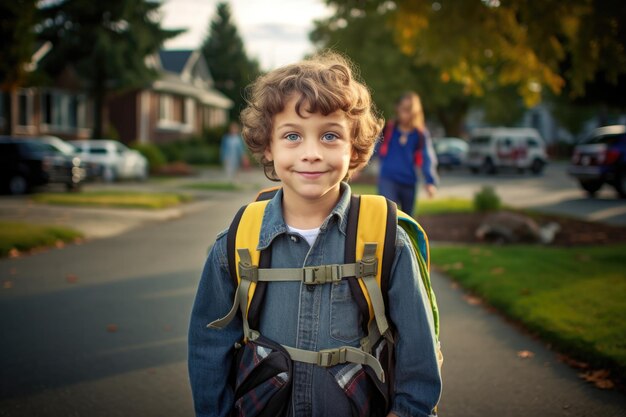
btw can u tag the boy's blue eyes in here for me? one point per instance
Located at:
(327, 137)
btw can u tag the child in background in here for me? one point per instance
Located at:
(406, 145)
(311, 125)
(232, 152)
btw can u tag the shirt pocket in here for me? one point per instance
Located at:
(344, 313)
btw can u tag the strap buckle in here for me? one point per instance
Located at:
(314, 275)
(368, 267)
(331, 357)
(248, 272)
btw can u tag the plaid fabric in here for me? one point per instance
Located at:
(357, 386)
(252, 402)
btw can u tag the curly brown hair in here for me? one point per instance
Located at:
(325, 83)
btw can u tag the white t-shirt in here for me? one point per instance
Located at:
(308, 234)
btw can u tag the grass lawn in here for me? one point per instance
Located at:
(214, 186)
(24, 236)
(426, 206)
(113, 199)
(574, 298)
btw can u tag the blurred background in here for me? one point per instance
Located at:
(120, 162)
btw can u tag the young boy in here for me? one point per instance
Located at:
(311, 125)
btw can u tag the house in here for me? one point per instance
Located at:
(181, 103)
(62, 109)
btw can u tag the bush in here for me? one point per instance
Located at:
(156, 158)
(487, 200)
(201, 155)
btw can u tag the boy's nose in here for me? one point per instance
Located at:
(311, 150)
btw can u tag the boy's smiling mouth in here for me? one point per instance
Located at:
(311, 174)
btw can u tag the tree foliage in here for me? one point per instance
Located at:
(464, 53)
(17, 20)
(224, 51)
(106, 42)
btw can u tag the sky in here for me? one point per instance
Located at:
(274, 31)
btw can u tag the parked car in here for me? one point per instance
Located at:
(117, 160)
(94, 170)
(451, 152)
(26, 163)
(491, 149)
(601, 159)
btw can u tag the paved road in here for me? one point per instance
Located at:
(61, 357)
(57, 356)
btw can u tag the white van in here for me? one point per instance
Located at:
(491, 149)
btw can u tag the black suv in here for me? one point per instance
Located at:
(27, 163)
(600, 159)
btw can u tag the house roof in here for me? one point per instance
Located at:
(185, 72)
(174, 60)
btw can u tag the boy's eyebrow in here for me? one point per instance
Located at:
(295, 125)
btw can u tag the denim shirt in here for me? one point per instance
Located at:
(313, 318)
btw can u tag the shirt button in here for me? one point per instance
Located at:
(310, 288)
(294, 239)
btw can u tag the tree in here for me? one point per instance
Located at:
(471, 52)
(225, 54)
(18, 45)
(366, 36)
(106, 42)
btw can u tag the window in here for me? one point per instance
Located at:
(25, 108)
(63, 111)
(166, 107)
(97, 151)
(532, 143)
(480, 140)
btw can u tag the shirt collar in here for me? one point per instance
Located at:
(274, 223)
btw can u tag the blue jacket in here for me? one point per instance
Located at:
(313, 318)
(398, 161)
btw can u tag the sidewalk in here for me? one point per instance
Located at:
(102, 222)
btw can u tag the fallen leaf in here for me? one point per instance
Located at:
(525, 354)
(7, 284)
(167, 328)
(111, 328)
(471, 300)
(497, 270)
(71, 278)
(600, 378)
(572, 362)
(454, 285)
(14, 253)
(457, 265)
(59, 244)
(13, 271)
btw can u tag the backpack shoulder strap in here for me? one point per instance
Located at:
(366, 238)
(243, 234)
(267, 193)
(387, 133)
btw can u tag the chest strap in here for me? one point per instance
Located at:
(332, 357)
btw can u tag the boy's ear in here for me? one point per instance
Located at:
(267, 153)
